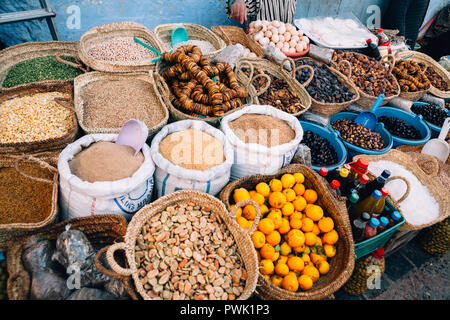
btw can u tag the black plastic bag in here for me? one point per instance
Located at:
(46, 285)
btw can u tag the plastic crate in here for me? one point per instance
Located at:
(367, 246)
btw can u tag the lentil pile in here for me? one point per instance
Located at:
(358, 135)
(120, 49)
(34, 118)
(39, 69)
(23, 200)
(399, 128)
(185, 252)
(431, 113)
(325, 86)
(262, 129)
(109, 104)
(192, 149)
(322, 152)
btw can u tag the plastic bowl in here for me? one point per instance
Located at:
(410, 119)
(334, 140)
(354, 150)
(435, 130)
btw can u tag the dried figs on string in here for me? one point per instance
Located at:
(322, 152)
(431, 113)
(399, 128)
(358, 135)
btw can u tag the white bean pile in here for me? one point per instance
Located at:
(120, 49)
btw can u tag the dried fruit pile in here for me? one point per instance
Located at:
(410, 76)
(294, 238)
(185, 252)
(358, 135)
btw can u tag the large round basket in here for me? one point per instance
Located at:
(242, 239)
(341, 265)
(232, 35)
(99, 34)
(11, 56)
(270, 69)
(157, 102)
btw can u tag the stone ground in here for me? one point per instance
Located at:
(410, 274)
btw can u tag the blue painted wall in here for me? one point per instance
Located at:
(149, 13)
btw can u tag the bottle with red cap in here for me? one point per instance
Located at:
(373, 50)
(379, 207)
(382, 37)
(358, 168)
(335, 184)
(324, 172)
(358, 185)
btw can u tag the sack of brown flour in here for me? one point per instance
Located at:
(126, 196)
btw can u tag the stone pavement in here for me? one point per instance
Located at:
(410, 274)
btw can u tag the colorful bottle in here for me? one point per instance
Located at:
(381, 203)
(394, 218)
(371, 228)
(335, 186)
(359, 185)
(368, 204)
(324, 172)
(359, 168)
(382, 37)
(373, 50)
(352, 200)
(343, 180)
(383, 224)
(376, 184)
(359, 227)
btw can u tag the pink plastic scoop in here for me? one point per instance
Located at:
(133, 133)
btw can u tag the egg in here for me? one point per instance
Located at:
(286, 46)
(281, 29)
(252, 24)
(276, 23)
(271, 44)
(265, 22)
(258, 23)
(273, 29)
(281, 38)
(299, 47)
(306, 39)
(264, 28)
(275, 38)
(268, 34)
(299, 33)
(258, 36)
(264, 41)
(287, 36)
(279, 45)
(292, 43)
(291, 50)
(289, 27)
(295, 38)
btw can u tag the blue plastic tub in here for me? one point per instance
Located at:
(334, 140)
(411, 119)
(353, 150)
(435, 130)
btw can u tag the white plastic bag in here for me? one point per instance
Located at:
(80, 198)
(170, 178)
(252, 158)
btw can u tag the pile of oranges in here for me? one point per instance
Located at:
(293, 239)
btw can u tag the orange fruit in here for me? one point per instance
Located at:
(263, 209)
(266, 267)
(316, 258)
(258, 239)
(290, 283)
(263, 189)
(249, 212)
(299, 177)
(285, 249)
(244, 223)
(275, 256)
(275, 216)
(310, 239)
(299, 203)
(288, 209)
(307, 224)
(300, 249)
(289, 194)
(240, 195)
(296, 215)
(295, 264)
(305, 282)
(330, 237)
(323, 267)
(319, 241)
(284, 227)
(282, 269)
(310, 195)
(277, 199)
(266, 226)
(276, 280)
(273, 238)
(295, 238)
(299, 189)
(238, 211)
(306, 258)
(275, 185)
(288, 181)
(258, 255)
(330, 250)
(326, 224)
(267, 251)
(314, 212)
(311, 271)
(258, 198)
(316, 229)
(282, 259)
(295, 223)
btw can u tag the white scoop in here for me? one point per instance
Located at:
(133, 133)
(439, 147)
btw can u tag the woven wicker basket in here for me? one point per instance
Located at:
(243, 242)
(11, 56)
(276, 71)
(9, 231)
(429, 179)
(341, 266)
(103, 33)
(431, 63)
(44, 145)
(329, 109)
(100, 230)
(84, 80)
(163, 33)
(232, 35)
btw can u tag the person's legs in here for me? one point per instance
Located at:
(395, 15)
(414, 19)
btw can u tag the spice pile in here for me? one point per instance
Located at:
(192, 149)
(325, 86)
(322, 152)
(34, 118)
(399, 128)
(358, 135)
(410, 76)
(262, 129)
(109, 104)
(39, 69)
(120, 49)
(431, 113)
(185, 252)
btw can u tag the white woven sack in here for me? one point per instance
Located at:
(170, 178)
(253, 158)
(80, 198)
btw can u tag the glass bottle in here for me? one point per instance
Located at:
(335, 186)
(359, 227)
(371, 228)
(394, 218)
(381, 203)
(368, 204)
(383, 224)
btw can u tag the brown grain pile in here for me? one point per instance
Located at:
(105, 161)
(192, 149)
(109, 104)
(262, 129)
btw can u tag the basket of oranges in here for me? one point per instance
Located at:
(300, 231)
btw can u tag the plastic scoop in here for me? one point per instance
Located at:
(368, 118)
(439, 147)
(179, 34)
(148, 47)
(134, 133)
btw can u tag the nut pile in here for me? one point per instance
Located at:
(120, 49)
(358, 135)
(325, 86)
(185, 252)
(431, 113)
(368, 74)
(436, 80)
(410, 76)
(399, 128)
(322, 152)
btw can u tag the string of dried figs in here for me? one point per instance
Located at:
(185, 252)
(410, 76)
(201, 88)
(368, 74)
(435, 79)
(358, 135)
